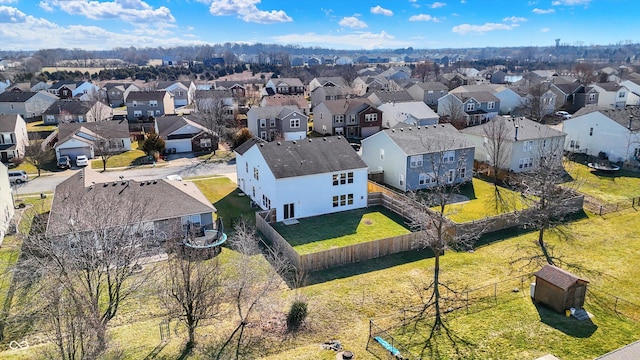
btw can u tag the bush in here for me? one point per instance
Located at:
(241, 136)
(153, 144)
(297, 315)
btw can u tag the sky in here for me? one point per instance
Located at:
(336, 24)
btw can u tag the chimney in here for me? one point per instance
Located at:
(517, 127)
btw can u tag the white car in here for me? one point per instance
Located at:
(563, 114)
(81, 160)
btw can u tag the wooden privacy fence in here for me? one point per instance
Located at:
(278, 241)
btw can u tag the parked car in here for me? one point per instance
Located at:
(64, 162)
(563, 114)
(81, 160)
(18, 176)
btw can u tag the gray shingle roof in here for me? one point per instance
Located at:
(106, 129)
(527, 129)
(609, 86)
(391, 96)
(16, 96)
(8, 123)
(146, 95)
(309, 156)
(480, 96)
(73, 107)
(416, 140)
(171, 123)
(621, 116)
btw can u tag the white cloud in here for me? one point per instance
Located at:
(571, 2)
(543, 11)
(437, 5)
(423, 17)
(481, 29)
(45, 6)
(7, 1)
(248, 11)
(353, 22)
(379, 10)
(358, 40)
(545, 30)
(133, 11)
(11, 15)
(514, 19)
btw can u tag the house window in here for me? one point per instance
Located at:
(463, 173)
(415, 161)
(137, 113)
(430, 92)
(135, 103)
(294, 123)
(246, 167)
(179, 93)
(349, 178)
(471, 106)
(343, 200)
(335, 201)
(339, 131)
(448, 157)
(525, 163)
(11, 106)
(272, 122)
(153, 103)
(342, 178)
(401, 180)
(253, 191)
(205, 143)
(370, 117)
(256, 173)
(636, 153)
(451, 174)
(425, 179)
(592, 97)
(590, 131)
(491, 105)
(349, 199)
(622, 94)
(263, 123)
(381, 154)
(528, 145)
(338, 119)
(81, 118)
(263, 135)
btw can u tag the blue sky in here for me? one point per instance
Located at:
(343, 24)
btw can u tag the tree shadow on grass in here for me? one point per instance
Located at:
(567, 324)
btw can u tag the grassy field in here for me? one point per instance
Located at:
(607, 187)
(604, 250)
(347, 227)
(127, 158)
(40, 126)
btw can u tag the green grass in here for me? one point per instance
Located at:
(219, 156)
(483, 202)
(224, 195)
(40, 126)
(607, 187)
(127, 158)
(341, 229)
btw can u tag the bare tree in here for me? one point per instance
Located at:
(212, 112)
(253, 281)
(454, 114)
(85, 264)
(193, 290)
(38, 153)
(534, 105)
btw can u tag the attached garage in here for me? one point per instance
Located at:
(181, 145)
(74, 152)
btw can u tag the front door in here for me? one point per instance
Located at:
(289, 211)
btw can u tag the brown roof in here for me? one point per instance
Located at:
(8, 123)
(558, 277)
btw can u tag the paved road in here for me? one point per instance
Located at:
(188, 167)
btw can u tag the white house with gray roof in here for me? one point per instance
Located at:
(419, 157)
(299, 179)
(87, 138)
(614, 132)
(13, 137)
(407, 113)
(185, 134)
(524, 142)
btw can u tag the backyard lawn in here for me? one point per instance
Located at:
(607, 187)
(225, 196)
(40, 126)
(127, 158)
(482, 202)
(342, 229)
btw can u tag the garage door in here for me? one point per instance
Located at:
(73, 152)
(182, 145)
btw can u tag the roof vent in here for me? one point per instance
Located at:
(142, 184)
(294, 142)
(105, 185)
(114, 183)
(339, 137)
(261, 145)
(393, 130)
(309, 139)
(278, 143)
(410, 128)
(418, 127)
(155, 181)
(324, 139)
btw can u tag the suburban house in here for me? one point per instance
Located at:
(329, 81)
(92, 138)
(68, 90)
(284, 86)
(538, 99)
(611, 95)
(364, 84)
(407, 113)
(117, 92)
(474, 107)
(7, 208)
(216, 102)
(283, 100)
(324, 93)
(185, 134)
(509, 99)
(143, 105)
(238, 90)
(380, 97)
(13, 137)
(27, 104)
(566, 94)
(614, 133)
(353, 118)
(182, 92)
(277, 123)
(302, 178)
(428, 92)
(77, 111)
(155, 207)
(419, 157)
(585, 97)
(523, 142)
(633, 84)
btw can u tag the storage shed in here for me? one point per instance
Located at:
(559, 289)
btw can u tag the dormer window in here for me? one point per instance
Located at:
(471, 106)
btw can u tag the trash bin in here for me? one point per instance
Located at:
(43, 196)
(532, 289)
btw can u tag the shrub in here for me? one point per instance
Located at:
(241, 136)
(297, 315)
(153, 144)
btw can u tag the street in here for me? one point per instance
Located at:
(186, 167)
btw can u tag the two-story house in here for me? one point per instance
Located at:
(27, 104)
(521, 142)
(277, 123)
(326, 81)
(77, 111)
(428, 92)
(585, 97)
(219, 103)
(143, 105)
(13, 137)
(302, 178)
(183, 91)
(324, 93)
(380, 97)
(117, 92)
(407, 113)
(474, 107)
(566, 94)
(611, 95)
(419, 157)
(509, 99)
(92, 138)
(353, 118)
(284, 86)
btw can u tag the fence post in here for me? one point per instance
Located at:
(495, 292)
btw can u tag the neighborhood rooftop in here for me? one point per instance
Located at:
(415, 140)
(526, 129)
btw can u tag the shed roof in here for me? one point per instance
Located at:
(558, 277)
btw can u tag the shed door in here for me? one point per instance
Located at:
(578, 298)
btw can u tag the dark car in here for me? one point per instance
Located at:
(64, 162)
